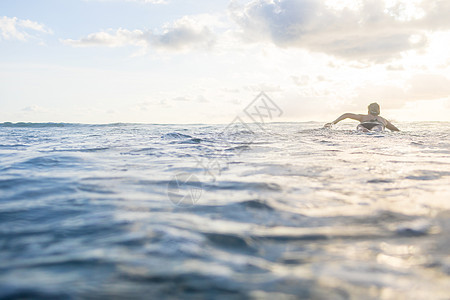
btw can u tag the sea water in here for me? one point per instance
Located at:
(288, 210)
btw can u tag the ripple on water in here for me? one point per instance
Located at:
(427, 175)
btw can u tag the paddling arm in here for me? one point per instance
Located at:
(345, 116)
(391, 126)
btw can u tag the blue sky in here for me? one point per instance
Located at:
(101, 61)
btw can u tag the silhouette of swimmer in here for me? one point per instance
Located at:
(370, 122)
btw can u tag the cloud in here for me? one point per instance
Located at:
(371, 31)
(119, 38)
(150, 105)
(35, 109)
(184, 34)
(22, 30)
(199, 99)
(428, 87)
(180, 99)
(420, 87)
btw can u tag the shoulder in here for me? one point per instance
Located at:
(364, 118)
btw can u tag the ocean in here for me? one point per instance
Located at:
(280, 211)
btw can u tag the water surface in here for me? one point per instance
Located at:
(289, 210)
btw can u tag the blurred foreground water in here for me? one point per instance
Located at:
(195, 211)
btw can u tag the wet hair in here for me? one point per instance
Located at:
(374, 109)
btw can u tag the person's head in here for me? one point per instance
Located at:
(374, 109)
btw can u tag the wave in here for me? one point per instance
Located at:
(175, 135)
(36, 125)
(79, 149)
(63, 124)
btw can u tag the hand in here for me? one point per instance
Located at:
(328, 125)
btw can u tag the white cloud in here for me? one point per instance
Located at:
(373, 31)
(183, 34)
(362, 31)
(118, 38)
(17, 29)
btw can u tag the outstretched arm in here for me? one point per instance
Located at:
(391, 126)
(345, 116)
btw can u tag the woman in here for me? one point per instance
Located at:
(370, 122)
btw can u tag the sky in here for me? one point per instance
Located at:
(198, 61)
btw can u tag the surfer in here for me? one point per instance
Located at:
(370, 122)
